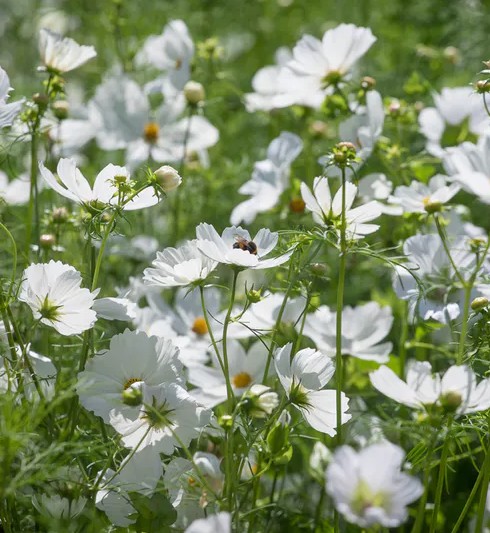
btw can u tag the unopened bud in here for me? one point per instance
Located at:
(343, 152)
(482, 86)
(394, 108)
(168, 178)
(318, 128)
(318, 269)
(452, 54)
(297, 205)
(60, 109)
(59, 215)
(262, 401)
(40, 99)
(368, 83)
(225, 421)
(194, 92)
(479, 303)
(47, 240)
(254, 296)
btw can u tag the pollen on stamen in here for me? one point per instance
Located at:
(241, 380)
(151, 132)
(130, 382)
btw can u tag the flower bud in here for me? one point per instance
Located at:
(47, 240)
(343, 152)
(479, 303)
(40, 99)
(254, 296)
(59, 215)
(262, 401)
(194, 92)
(168, 178)
(319, 269)
(225, 421)
(368, 83)
(277, 439)
(60, 109)
(451, 53)
(394, 108)
(482, 86)
(297, 205)
(318, 128)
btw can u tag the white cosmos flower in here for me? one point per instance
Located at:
(421, 198)
(261, 317)
(17, 191)
(75, 187)
(169, 418)
(302, 379)
(377, 186)
(62, 54)
(218, 523)
(184, 323)
(120, 117)
(230, 248)
(318, 65)
(137, 473)
(111, 308)
(171, 52)
(245, 370)
(428, 261)
(456, 390)
(52, 291)
(327, 211)
(469, 165)
(175, 267)
(453, 106)
(8, 112)
(363, 329)
(369, 488)
(269, 93)
(132, 360)
(270, 178)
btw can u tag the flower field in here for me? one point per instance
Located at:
(245, 266)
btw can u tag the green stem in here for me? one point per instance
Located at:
(464, 324)
(210, 330)
(419, 521)
(402, 349)
(483, 472)
(482, 507)
(229, 458)
(440, 479)
(33, 208)
(340, 307)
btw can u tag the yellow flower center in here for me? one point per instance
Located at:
(241, 380)
(200, 327)
(150, 132)
(130, 382)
